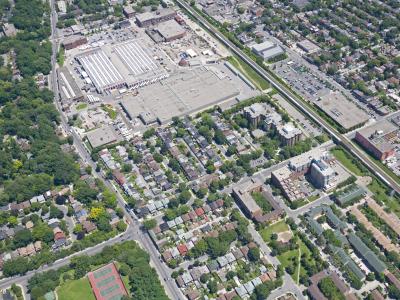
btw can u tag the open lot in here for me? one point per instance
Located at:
(75, 289)
(277, 227)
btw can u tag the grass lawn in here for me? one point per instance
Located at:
(81, 106)
(380, 194)
(266, 232)
(249, 73)
(262, 202)
(346, 161)
(291, 256)
(110, 111)
(75, 289)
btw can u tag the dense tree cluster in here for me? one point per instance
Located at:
(132, 260)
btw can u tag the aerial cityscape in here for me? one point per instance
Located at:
(199, 149)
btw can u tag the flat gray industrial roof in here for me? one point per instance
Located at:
(344, 112)
(184, 92)
(68, 88)
(170, 29)
(102, 136)
(379, 134)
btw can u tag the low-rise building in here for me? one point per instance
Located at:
(152, 18)
(267, 50)
(379, 139)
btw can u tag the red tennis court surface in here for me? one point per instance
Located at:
(106, 283)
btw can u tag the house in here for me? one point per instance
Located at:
(88, 226)
(29, 225)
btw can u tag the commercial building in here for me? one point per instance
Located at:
(130, 64)
(308, 46)
(289, 134)
(74, 41)
(267, 50)
(69, 90)
(341, 110)
(379, 139)
(102, 72)
(184, 92)
(102, 136)
(166, 31)
(170, 30)
(153, 18)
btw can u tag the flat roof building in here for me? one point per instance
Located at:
(341, 110)
(152, 18)
(170, 30)
(102, 136)
(289, 134)
(101, 71)
(308, 46)
(379, 139)
(69, 90)
(242, 194)
(184, 92)
(267, 50)
(74, 41)
(128, 11)
(322, 174)
(255, 113)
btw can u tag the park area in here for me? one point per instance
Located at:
(75, 289)
(291, 261)
(277, 227)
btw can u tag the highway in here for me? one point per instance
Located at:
(298, 103)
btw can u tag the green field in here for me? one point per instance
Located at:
(81, 106)
(262, 202)
(76, 289)
(293, 256)
(346, 161)
(110, 111)
(254, 77)
(278, 227)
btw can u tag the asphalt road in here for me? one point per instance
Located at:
(133, 231)
(336, 136)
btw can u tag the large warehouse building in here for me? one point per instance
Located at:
(128, 64)
(182, 93)
(101, 71)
